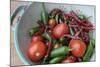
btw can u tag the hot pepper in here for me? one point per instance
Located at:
(61, 51)
(44, 15)
(56, 60)
(57, 18)
(90, 49)
(32, 31)
(89, 52)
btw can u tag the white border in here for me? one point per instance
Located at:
(89, 2)
(5, 33)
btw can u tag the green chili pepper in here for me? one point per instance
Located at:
(52, 16)
(63, 40)
(46, 36)
(32, 31)
(89, 52)
(54, 41)
(81, 17)
(56, 60)
(71, 31)
(92, 39)
(67, 21)
(93, 43)
(57, 18)
(90, 48)
(61, 51)
(44, 15)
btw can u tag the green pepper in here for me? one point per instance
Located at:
(32, 31)
(57, 18)
(61, 51)
(54, 41)
(68, 21)
(63, 40)
(81, 17)
(52, 16)
(92, 39)
(89, 52)
(93, 43)
(71, 31)
(44, 15)
(46, 36)
(56, 60)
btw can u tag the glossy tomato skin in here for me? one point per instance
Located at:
(60, 29)
(52, 22)
(69, 59)
(36, 38)
(36, 50)
(78, 46)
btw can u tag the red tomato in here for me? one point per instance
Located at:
(69, 59)
(52, 22)
(60, 29)
(37, 38)
(36, 50)
(78, 47)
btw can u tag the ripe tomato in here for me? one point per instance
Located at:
(69, 59)
(36, 50)
(78, 47)
(60, 29)
(36, 38)
(52, 22)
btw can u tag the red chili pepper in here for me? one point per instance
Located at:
(75, 16)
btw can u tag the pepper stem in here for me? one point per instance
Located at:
(71, 49)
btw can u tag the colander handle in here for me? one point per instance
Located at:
(17, 10)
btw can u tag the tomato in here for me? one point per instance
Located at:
(36, 38)
(36, 50)
(60, 30)
(52, 22)
(69, 59)
(78, 46)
